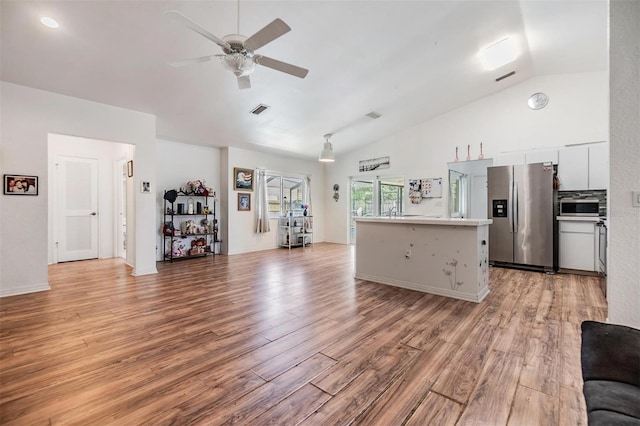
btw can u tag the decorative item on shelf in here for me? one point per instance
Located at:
(285, 205)
(167, 228)
(468, 152)
(189, 227)
(304, 207)
(171, 195)
(190, 207)
(196, 187)
(456, 160)
(177, 250)
(336, 188)
(481, 156)
(180, 208)
(205, 210)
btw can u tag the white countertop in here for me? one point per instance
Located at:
(581, 218)
(425, 220)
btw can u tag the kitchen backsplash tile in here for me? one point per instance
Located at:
(600, 195)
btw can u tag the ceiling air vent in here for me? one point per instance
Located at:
(259, 109)
(502, 77)
(373, 115)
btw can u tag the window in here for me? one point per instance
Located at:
(285, 194)
(375, 197)
(391, 195)
(457, 188)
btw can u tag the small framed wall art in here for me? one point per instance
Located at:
(20, 185)
(244, 202)
(242, 179)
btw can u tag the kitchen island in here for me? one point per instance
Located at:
(447, 257)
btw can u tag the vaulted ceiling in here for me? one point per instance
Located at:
(406, 60)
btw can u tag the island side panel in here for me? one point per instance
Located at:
(440, 259)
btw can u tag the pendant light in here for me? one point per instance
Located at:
(326, 156)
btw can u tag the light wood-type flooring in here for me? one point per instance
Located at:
(290, 337)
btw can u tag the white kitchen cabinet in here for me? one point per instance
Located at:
(573, 168)
(599, 166)
(509, 159)
(578, 245)
(541, 156)
(584, 167)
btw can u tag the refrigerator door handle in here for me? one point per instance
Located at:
(515, 207)
(510, 207)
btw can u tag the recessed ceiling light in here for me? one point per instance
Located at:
(499, 54)
(49, 22)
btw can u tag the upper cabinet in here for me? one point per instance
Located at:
(599, 166)
(541, 156)
(583, 167)
(526, 157)
(509, 159)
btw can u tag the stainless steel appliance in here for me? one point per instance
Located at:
(521, 204)
(579, 207)
(602, 248)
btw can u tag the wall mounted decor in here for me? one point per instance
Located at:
(424, 188)
(20, 185)
(145, 187)
(374, 164)
(242, 179)
(336, 188)
(244, 202)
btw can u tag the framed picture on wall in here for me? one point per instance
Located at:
(242, 179)
(244, 202)
(20, 185)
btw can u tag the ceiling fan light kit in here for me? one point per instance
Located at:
(239, 50)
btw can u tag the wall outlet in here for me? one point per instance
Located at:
(407, 254)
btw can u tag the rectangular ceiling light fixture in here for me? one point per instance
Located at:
(499, 54)
(259, 109)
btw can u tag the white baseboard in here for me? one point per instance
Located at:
(14, 291)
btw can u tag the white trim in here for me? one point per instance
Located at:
(21, 289)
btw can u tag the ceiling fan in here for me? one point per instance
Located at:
(239, 50)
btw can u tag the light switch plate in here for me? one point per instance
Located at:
(636, 199)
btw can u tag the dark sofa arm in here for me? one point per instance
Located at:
(610, 352)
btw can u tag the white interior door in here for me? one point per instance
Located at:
(77, 208)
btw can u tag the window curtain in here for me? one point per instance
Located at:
(262, 210)
(308, 195)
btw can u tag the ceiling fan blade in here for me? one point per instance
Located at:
(191, 61)
(244, 82)
(197, 28)
(280, 66)
(266, 35)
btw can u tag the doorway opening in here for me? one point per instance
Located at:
(88, 192)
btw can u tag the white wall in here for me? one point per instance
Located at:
(107, 154)
(241, 225)
(177, 164)
(624, 220)
(576, 113)
(28, 116)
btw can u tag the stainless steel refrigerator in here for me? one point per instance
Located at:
(522, 207)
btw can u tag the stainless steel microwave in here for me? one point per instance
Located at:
(583, 207)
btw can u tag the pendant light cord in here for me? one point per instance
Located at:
(238, 16)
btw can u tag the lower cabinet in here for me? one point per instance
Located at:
(578, 245)
(295, 231)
